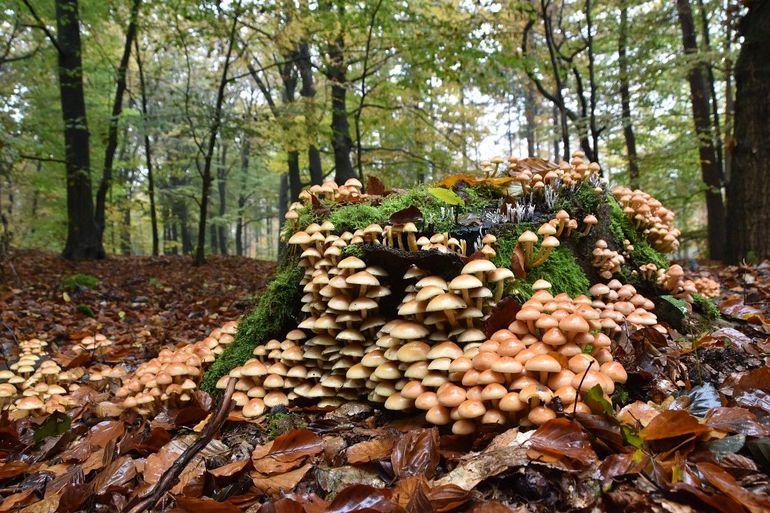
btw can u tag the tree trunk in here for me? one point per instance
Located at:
(222, 189)
(242, 197)
(117, 108)
(530, 115)
(283, 207)
(709, 160)
(625, 98)
(337, 74)
(148, 153)
(200, 250)
(748, 192)
(307, 91)
(83, 240)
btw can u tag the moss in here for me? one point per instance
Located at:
(706, 306)
(354, 217)
(564, 273)
(621, 228)
(353, 250)
(76, 281)
(561, 269)
(275, 309)
(583, 201)
(85, 310)
(279, 423)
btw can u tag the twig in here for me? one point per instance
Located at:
(170, 477)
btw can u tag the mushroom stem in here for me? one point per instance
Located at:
(585, 231)
(467, 297)
(541, 257)
(562, 224)
(451, 317)
(528, 252)
(412, 242)
(499, 290)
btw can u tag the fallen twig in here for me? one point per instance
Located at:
(168, 480)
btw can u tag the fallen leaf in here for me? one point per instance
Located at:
(12, 469)
(281, 483)
(296, 444)
(563, 438)
(370, 450)
(753, 389)
(672, 424)
(725, 483)
(205, 505)
(229, 469)
(360, 498)
(445, 498)
(118, 473)
(416, 453)
(637, 412)
(736, 420)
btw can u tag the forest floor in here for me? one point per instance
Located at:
(695, 435)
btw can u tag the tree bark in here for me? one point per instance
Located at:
(709, 160)
(222, 189)
(242, 196)
(748, 192)
(200, 250)
(625, 98)
(83, 238)
(148, 154)
(337, 74)
(117, 108)
(308, 92)
(530, 115)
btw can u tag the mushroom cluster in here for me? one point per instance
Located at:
(621, 305)
(93, 344)
(171, 377)
(649, 216)
(707, 287)
(534, 174)
(607, 261)
(33, 384)
(350, 192)
(673, 280)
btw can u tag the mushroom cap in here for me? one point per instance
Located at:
(446, 349)
(546, 229)
(574, 323)
(528, 237)
(363, 278)
(451, 395)
(493, 391)
(470, 409)
(465, 282)
(428, 292)
(540, 415)
(409, 331)
(29, 403)
(447, 301)
(511, 402)
(254, 408)
(438, 415)
(543, 363)
(397, 402)
(478, 266)
(433, 281)
(413, 352)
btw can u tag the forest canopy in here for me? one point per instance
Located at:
(189, 127)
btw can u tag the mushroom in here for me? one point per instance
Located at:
(527, 239)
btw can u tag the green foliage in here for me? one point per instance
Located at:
(56, 424)
(583, 201)
(354, 217)
(563, 271)
(679, 304)
(276, 424)
(446, 196)
(706, 306)
(75, 281)
(276, 308)
(85, 310)
(353, 250)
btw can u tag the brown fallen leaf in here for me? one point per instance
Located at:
(445, 498)
(13, 469)
(563, 439)
(736, 420)
(118, 473)
(363, 498)
(48, 504)
(205, 505)
(637, 412)
(295, 444)
(672, 424)
(416, 453)
(725, 483)
(370, 450)
(281, 483)
(16, 500)
(229, 469)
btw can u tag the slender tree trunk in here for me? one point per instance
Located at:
(213, 239)
(555, 119)
(625, 98)
(748, 192)
(548, 29)
(239, 228)
(222, 189)
(117, 108)
(714, 102)
(337, 74)
(283, 206)
(83, 239)
(200, 250)
(147, 152)
(530, 115)
(709, 159)
(308, 92)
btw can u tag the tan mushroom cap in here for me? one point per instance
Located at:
(409, 331)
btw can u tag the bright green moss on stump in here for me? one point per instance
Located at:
(276, 308)
(706, 306)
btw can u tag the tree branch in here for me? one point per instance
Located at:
(42, 26)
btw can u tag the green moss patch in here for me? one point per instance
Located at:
(583, 201)
(706, 306)
(276, 308)
(354, 217)
(76, 281)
